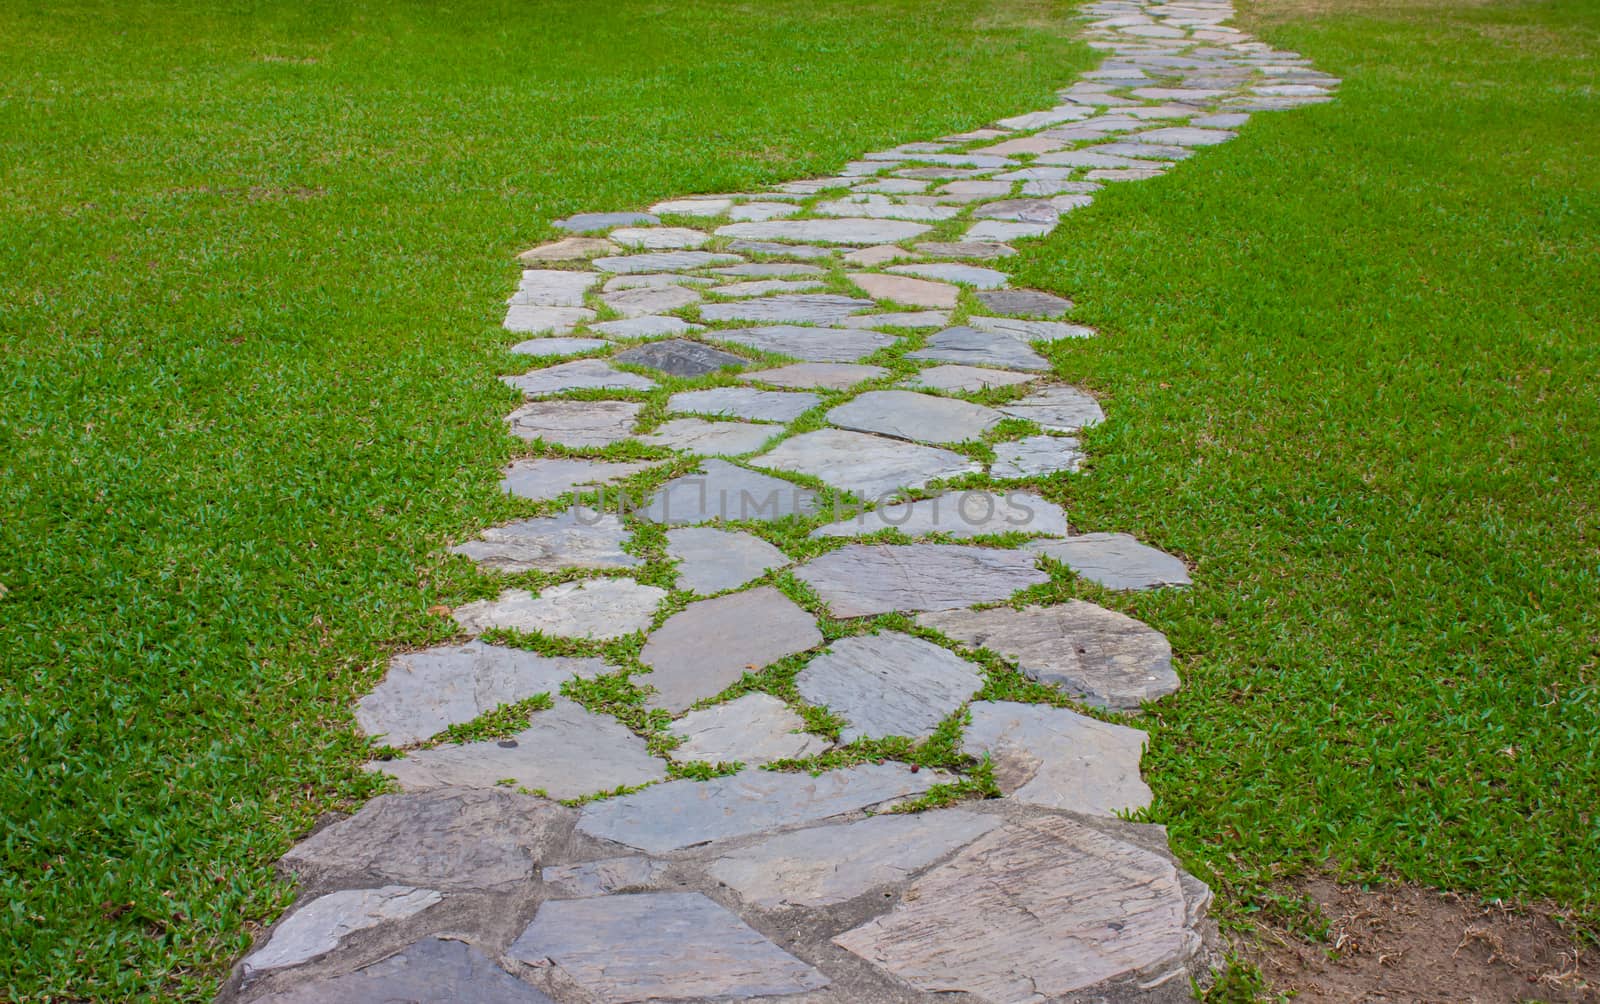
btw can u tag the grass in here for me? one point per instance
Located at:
(253, 261)
(1350, 363)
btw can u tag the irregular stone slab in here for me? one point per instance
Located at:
(1116, 561)
(1059, 186)
(1059, 758)
(825, 865)
(1024, 303)
(594, 608)
(967, 275)
(899, 319)
(713, 561)
(693, 435)
(1035, 455)
(582, 374)
(835, 231)
(646, 327)
(452, 838)
(646, 300)
(900, 289)
(877, 255)
(1030, 331)
(893, 186)
(770, 270)
(966, 249)
(704, 648)
(1186, 136)
(877, 207)
(824, 376)
(590, 222)
(1024, 210)
(566, 752)
(1064, 409)
(862, 580)
(1103, 657)
(802, 308)
(943, 159)
(680, 357)
(888, 684)
(660, 238)
(806, 251)
(692, 207)
(553, 288)
(766, 287)
(759, 211)
(426, 692)
(905, 414)
(575, 423)
(1049, 117)
(1125, 173)
(1094, 158)
(654, 280)
(1003, 230)
(550, 347)
(1145, 150)
(1027, 144)
(530, 320)
(971, 513)
(1031, 912)
(683, 813)
(745, 402)
(431, 970)
(820, 345)
(753, 730)
(318, 927)
(577, 538)
(542, 478)
(1230, 120)
(727, 492)
(869, 466)
(569, 249)
(660, 946)
(602, 878)
(965, 378)
(665, 261)
(973, 347)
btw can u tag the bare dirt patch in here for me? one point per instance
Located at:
(1403, 943)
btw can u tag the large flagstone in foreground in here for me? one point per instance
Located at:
(888, 684)
(709, 645)
(319, 926)
(869, 466)
(431, 971)
(1058, 758)
(753, 729)
(1034, 455)
(861, 580)
(712, 560)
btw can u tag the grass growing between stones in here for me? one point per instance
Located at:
(254, 267)
(1349, 363)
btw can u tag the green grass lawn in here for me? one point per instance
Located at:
(252, 262)
(1351, 362)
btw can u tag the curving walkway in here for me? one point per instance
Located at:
(706, 806)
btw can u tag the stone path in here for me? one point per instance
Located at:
(787, 476)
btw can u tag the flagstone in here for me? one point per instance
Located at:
(801, 308)
(970, 513)
(1126, 174)
(1027, 144)
(1093, 158)
(430, 970)
(1186, 136)
(692, 207)
(660, 238)
(944, 159)
(647, 300)
(665, 261)
(1116, 561)
(1035, 455)
(1224, 120)
(901, 289)
(862, 580)
(569, 249)
(966, 249)
(1024, 210)
(582, 374)
(970, 346)
(893, 186)
(822, 345)
(948, 173)
(646, 327)
(540, 287)
(1060, 409)
(577, 538)
(575, 423)
(589, 222)
(554, 347)
(832, 231)
(632, 873)
(319, 926)
(680, 357)
(924, 418)
(1031, 331)
(727, 492)
(967, 275)
(877, 255)
(1024, 302)
(767, 287)
(1049, 117)
(888, 684)
(706, 647)
(878, 207)
(702, 438)
(759, 211)
(754, 729)
(807, 251)
(654, 280)
(1003, 230)
(868, 466)
(899, 319)
(542, 478)
(1056, 186)
(533, 320)
(713, 561)
(823, 376)
(1058, 758)
(745, 402)
(591, 608)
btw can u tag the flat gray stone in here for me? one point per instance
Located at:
(644, 301)
(837, 231)
(970, 346)
(660, 238)
(899, 319)
(1059, 758)
(1032, 912)
(581, 374)
(819, 345)
(681, 358)
(754, 729)
(904, 414)
(318, 927)
(553, 347)
(714, 561)
(966, 275)
(985, 250)
(971, 513)
(575, 423)
(1116, 561)
(653, 280)
(424, 693)
(1030, 331)
(1125, 173)
(694, 206)
(862, 580)
(531, 320)
(1024, 303)
(430, 971)
(452, 838)
(664, 261)
(745, 402)
(1061, 409)
(770, 270)
(729, 493)
(646, 327)
(877, 254)
(1094, 157)
(707, 646)
(569, 249)
(583, 223)
(543, 287)
(762, 211)
(578, 538)
(888, 684)
(801, 308)
(869, 466)
(825, 865)
(1005, 230)
(1128, 148)
(809, 252)
(965, 378)
(878, 207)
(823, 376)
(658, 947)
(906, 290)
(1100, 656)
(566, 752)
(1036, 455)
(592, 608)
(602, 878)
(766, 287)
(702, 438)
(543, 478)
(683, 813)
(1186, 136)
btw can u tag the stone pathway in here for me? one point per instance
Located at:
(766, 622)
